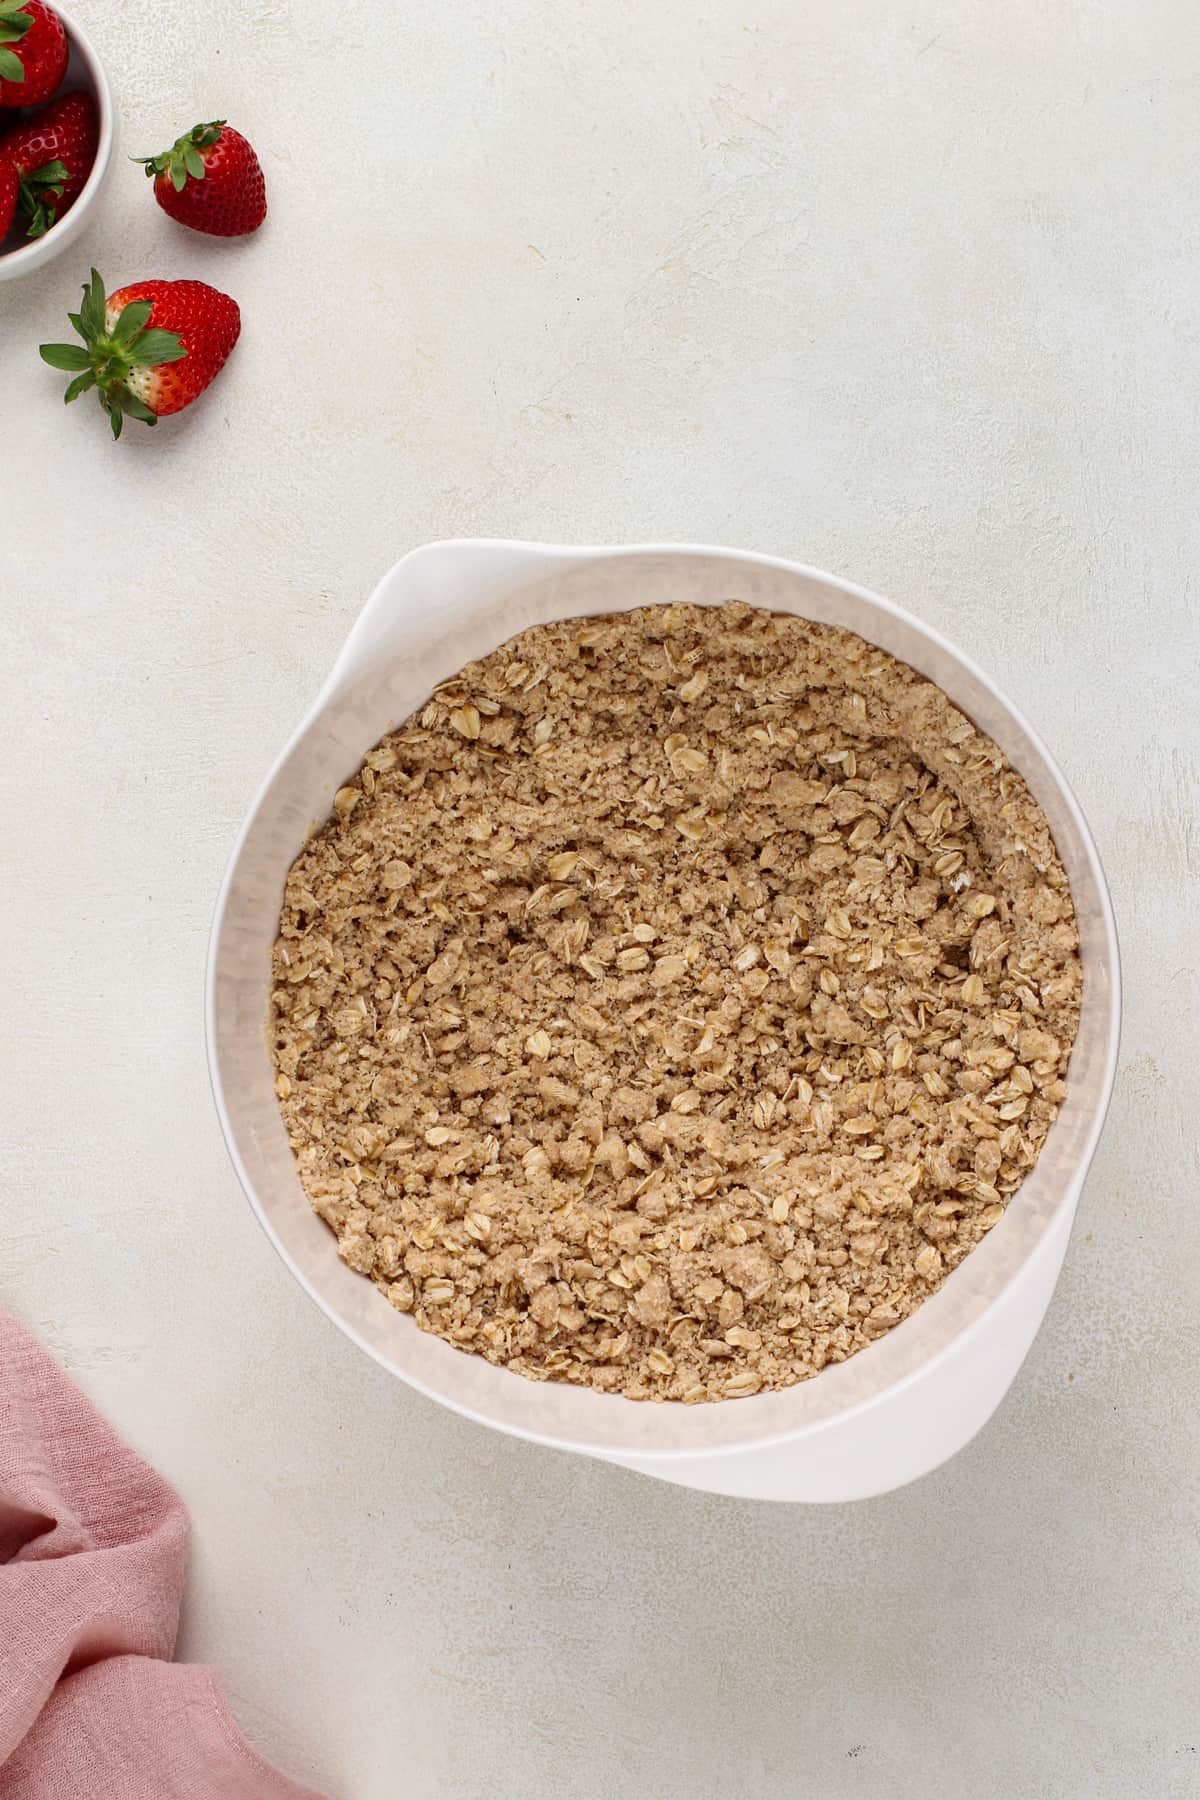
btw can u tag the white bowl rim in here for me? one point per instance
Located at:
(550, 552)
(30, 256)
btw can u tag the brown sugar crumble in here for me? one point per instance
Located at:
(674, 1001)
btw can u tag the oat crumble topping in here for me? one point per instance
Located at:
(673, 1002)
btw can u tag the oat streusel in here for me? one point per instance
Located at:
(674, 1001)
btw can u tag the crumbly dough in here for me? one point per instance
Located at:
(674, 1001)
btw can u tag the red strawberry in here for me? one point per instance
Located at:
(33, 52)
(149, 349)
(53, 151)
(211, 180)
(10, 184)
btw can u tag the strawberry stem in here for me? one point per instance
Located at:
(183, 159)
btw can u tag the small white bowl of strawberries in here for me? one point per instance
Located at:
(57, 126)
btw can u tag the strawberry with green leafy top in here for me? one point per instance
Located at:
(149, 349)
(211, 180)
(33, 52)
(53, 151)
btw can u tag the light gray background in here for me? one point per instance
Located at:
(910, 291)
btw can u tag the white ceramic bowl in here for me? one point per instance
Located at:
(888, 1414)
(84, 70)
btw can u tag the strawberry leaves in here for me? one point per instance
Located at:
(65, 356)
(144, 349)
(134, 318)
(14, 23)
(150, 349)
(106, 357)
(39, 194)
(90, 319)
(183, 159)
(137, 409)
(80, 385)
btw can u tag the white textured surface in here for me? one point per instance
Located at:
(910, 292)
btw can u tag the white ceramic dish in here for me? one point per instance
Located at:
(890, 1413)
(84, 70)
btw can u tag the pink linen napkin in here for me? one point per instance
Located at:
(91, 1577)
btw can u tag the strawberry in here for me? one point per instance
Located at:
(33, 52)
(10, 186)
(149, 349)
(53, 151)
(211, 180)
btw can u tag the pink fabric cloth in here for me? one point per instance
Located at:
(91, 1577)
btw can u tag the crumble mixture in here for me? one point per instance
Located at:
(674, 1001)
